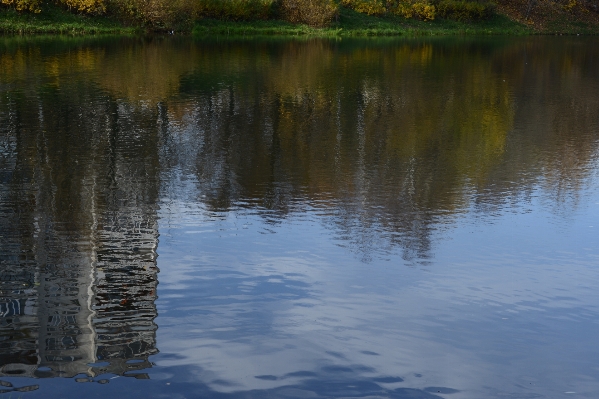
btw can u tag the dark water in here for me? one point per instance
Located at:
(299, 219)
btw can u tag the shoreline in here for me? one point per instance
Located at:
(349, 24)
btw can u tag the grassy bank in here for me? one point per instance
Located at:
(53, 20)
(351, 23)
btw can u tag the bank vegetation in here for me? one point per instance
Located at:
(547, 16)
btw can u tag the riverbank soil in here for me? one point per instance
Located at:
(554, 16)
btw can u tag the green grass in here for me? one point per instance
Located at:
(53, 20)
(356, 24)
(352, 23)
(208, 27)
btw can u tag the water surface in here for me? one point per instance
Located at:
(299, 218)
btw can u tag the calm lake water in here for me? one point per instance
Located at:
(239, 218)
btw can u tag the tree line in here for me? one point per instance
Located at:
(165, 14)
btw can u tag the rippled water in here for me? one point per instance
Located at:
(299, 219)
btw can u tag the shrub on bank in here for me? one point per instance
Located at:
(166, 14)
(86, 6)
(316, 13)
(368, 7)
(23, 5)
(464, 10)
(149, 13)
(233, 9)
(158, 14)
(419, 9)
(155, 13)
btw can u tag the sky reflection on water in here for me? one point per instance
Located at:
(396, 218)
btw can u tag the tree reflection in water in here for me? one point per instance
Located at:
(388, 142)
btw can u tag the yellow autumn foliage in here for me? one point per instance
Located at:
(419, 9)
(84, 6)
(571, 4)
(423, 11)
(23, 5)
(368, 7)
